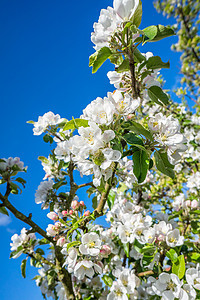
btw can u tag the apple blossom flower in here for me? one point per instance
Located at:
(125, 8)
(84, 268)
(10, 162)
(168, 286)
(193, 277)
(174, 238)
(43, 190)
(48, 119)
(20, 240)
(117, 292)
(91, 244)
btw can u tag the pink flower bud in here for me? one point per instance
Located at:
(58, 225)
(187, 204)
(82, 203)
(64, 213)
(75, 204)
(60, 241)
(71, 212)
(53, 216)
(194, 204)
(86, 213)
(105, 251)
(129, 117)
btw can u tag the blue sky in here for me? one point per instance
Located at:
(44, 53)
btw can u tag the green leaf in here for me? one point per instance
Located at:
(148, 250)
(157, 95)
(40, 251)
(48, 139)
(21, 180)
(14, 188)
(23, 268)
(137, 17)
(4, 211)
(139, 129)
(156, 33)
(111, 199)
(155, 62)
(98, 58)
(150, 32)
(13, 253)
(124, 66)
(163, 164)
(43, 159)
(94, 202)
(126, 249)
(195, 256)
(43, 241)
(57, 185)
(75, 123)
(107, 280)
(132, 139)
(140, 164)
(30, 122)
(72, 244)
(172, 255)
(178, 267)
(163, 32)
(138, 57)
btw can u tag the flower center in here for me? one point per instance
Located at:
(91, 244)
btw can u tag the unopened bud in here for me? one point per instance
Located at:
(53, 216)
(82, 203)
(60, 241)
(64, 213)
(86, 213)
(105, 251)
(75, 204)
(194, 204)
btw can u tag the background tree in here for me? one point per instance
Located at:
(186, 26)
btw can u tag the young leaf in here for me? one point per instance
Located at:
(133, 139)
(150, 32)
(98, 58)
(72, 244)
(178, 267)
(124, 66)
(140, 164)
(155, 62)
(139, 129)
(156, 33)
(163, 164)
(138, 57)
(3, 211)
(75, 123)
(172, 255)
(126, 249)
(107, 280)
(23, 268)
(157, 95)
(137, 17)
(111, 199)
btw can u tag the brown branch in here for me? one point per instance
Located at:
(63, 275)
(145, 273)
(22, 217)
(85, 184)
(99, 210)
